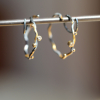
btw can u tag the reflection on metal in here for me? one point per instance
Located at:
(31, 23)
(93, 18)
(70, 43)
(27, 29)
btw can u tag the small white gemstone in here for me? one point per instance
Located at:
(64, 55)
(73, 49)
(39, 38)
(34, 44)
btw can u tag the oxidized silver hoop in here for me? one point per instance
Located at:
(70, 43)
(70, 19)
(27, 29)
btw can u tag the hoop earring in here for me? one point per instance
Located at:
(70, 19)
(70, 43)
(27, 29)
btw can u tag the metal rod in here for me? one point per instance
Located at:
(93, 18)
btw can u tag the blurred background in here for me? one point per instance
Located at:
(48, 77)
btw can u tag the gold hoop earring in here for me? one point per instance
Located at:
(27, 29)
(70, 43)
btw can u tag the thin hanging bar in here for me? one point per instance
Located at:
(93, 18)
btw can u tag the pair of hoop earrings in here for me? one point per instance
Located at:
(27, 29)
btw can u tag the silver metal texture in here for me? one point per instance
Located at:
(69, 17)
(27, 29)
(70, 43)
(16, 22)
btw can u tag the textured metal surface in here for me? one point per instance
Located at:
(69, 17)
(37, 38)
(93, 18)
(70, 43)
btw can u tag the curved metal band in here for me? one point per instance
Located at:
(27, 29)
(70, 43)
(69, 17)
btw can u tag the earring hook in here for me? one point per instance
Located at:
(24, 25)
(70, 19)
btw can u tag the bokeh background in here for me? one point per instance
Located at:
(47, 77)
